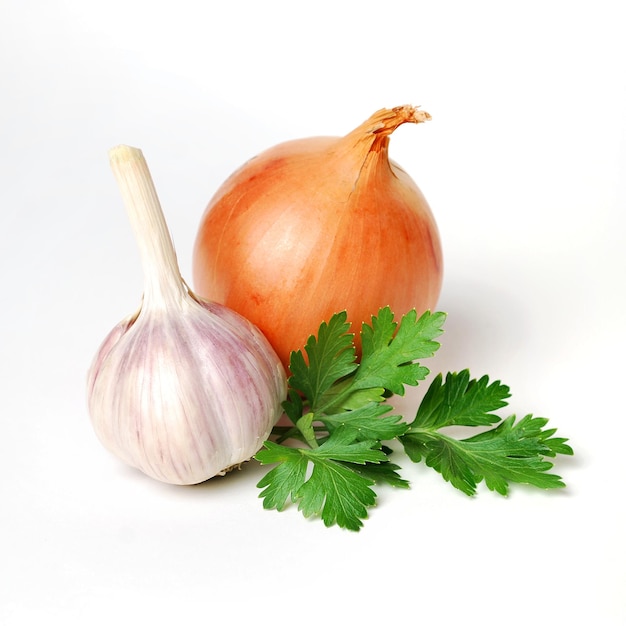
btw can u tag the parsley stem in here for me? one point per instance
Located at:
(340, 392)
(305, 426)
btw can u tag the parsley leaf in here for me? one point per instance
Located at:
(367, 422)
(340, 417)
(388, 361)
(461, 401)
(389, 352)
(513, 451)
(331, 356)
(334, 490)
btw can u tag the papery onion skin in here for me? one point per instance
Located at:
(315, 226)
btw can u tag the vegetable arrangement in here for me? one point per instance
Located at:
(191, 386)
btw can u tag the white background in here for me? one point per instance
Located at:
(524, 165)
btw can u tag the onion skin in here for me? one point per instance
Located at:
(315, 226)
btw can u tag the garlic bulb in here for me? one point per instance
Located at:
(183, 389)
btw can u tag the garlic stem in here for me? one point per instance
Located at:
(163, 283)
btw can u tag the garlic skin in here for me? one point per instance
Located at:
(184, 389)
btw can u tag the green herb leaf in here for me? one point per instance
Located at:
(510, 452)
(461, 401)
(337, 494)
(331, 356)
(389, 354)
(283, 482)
(334, 490)
(368, 422)
(380, 473)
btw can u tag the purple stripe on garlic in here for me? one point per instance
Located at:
(184, 389)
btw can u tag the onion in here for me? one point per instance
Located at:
(315, 226)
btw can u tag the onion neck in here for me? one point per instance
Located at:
(163, 283)
(372, 136)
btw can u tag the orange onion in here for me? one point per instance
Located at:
(319, 225)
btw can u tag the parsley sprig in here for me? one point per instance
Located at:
(340, 420)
